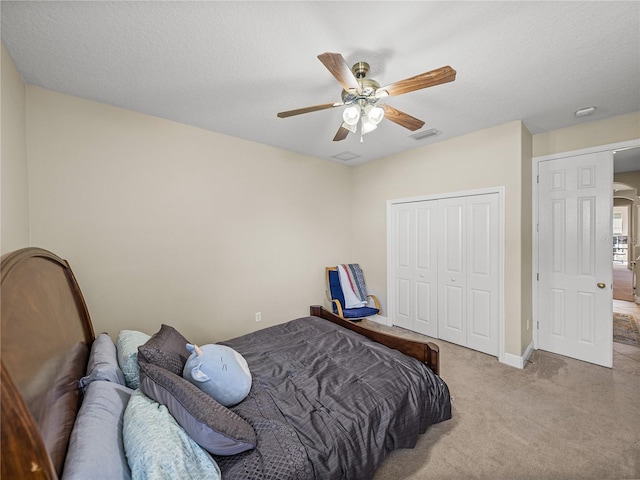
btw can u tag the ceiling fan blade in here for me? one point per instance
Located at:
(341, 134)
(315, 108)
(403, 119)
(424, 80)
(338, 67)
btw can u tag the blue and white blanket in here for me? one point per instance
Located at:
(353, 286)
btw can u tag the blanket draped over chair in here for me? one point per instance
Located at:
(353, 286)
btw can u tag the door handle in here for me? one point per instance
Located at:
(601, 285)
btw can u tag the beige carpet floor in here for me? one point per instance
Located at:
(557, 419)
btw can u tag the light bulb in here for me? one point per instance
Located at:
(351, 115)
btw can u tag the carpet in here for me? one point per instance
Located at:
(625, 329)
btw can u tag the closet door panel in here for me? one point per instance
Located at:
(403, 229)
(482, 228)
(451, 270)
(426, 271)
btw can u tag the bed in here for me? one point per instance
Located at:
(329, 398)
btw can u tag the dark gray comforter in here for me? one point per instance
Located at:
(327, 403)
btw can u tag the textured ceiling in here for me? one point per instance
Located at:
(230, 67)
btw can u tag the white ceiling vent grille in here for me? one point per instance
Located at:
(345, 156)
(430, 132)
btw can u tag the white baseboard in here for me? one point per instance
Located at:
(515, 360)
(381, 320)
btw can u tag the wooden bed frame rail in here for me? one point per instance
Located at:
(426, 352)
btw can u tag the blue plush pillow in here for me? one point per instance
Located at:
(219, 371)
(127, 346)
(103, 363)
(96, 449)
(158, 448)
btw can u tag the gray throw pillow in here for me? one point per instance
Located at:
(213, 426)
(167, 348)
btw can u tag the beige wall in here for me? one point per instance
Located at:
(14, 187)
(629, 178)
(590, 134)
(164, 222)
(488, 158)
(168, 223)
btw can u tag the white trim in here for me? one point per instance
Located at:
(382, 320)
(585, 151)
(534, 201)
(437, 196)
(516, 361)
(500, 190)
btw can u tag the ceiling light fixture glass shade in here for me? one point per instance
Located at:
(368, 126)
(371, 117)
(351, 115)
(374, 114)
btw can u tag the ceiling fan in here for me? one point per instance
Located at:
(361, 96)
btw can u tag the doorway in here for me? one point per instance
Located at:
(626, 235)
(626, 225)
(626, 155)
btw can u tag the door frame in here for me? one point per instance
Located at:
(535, 164)
(500, 190)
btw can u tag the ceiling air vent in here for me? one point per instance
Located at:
(430, 132)
(345, 156)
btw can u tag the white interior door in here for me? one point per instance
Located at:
(575, 245)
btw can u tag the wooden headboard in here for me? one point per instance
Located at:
(45, 337)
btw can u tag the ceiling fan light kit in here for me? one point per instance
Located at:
(361, 94)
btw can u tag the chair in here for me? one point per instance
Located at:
(335, 295)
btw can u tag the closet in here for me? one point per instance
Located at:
(444, 268)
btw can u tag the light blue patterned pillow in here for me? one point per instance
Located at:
(127, 346)
(158, 448)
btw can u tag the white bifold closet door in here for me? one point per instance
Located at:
(445, 269)
(468, 272)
